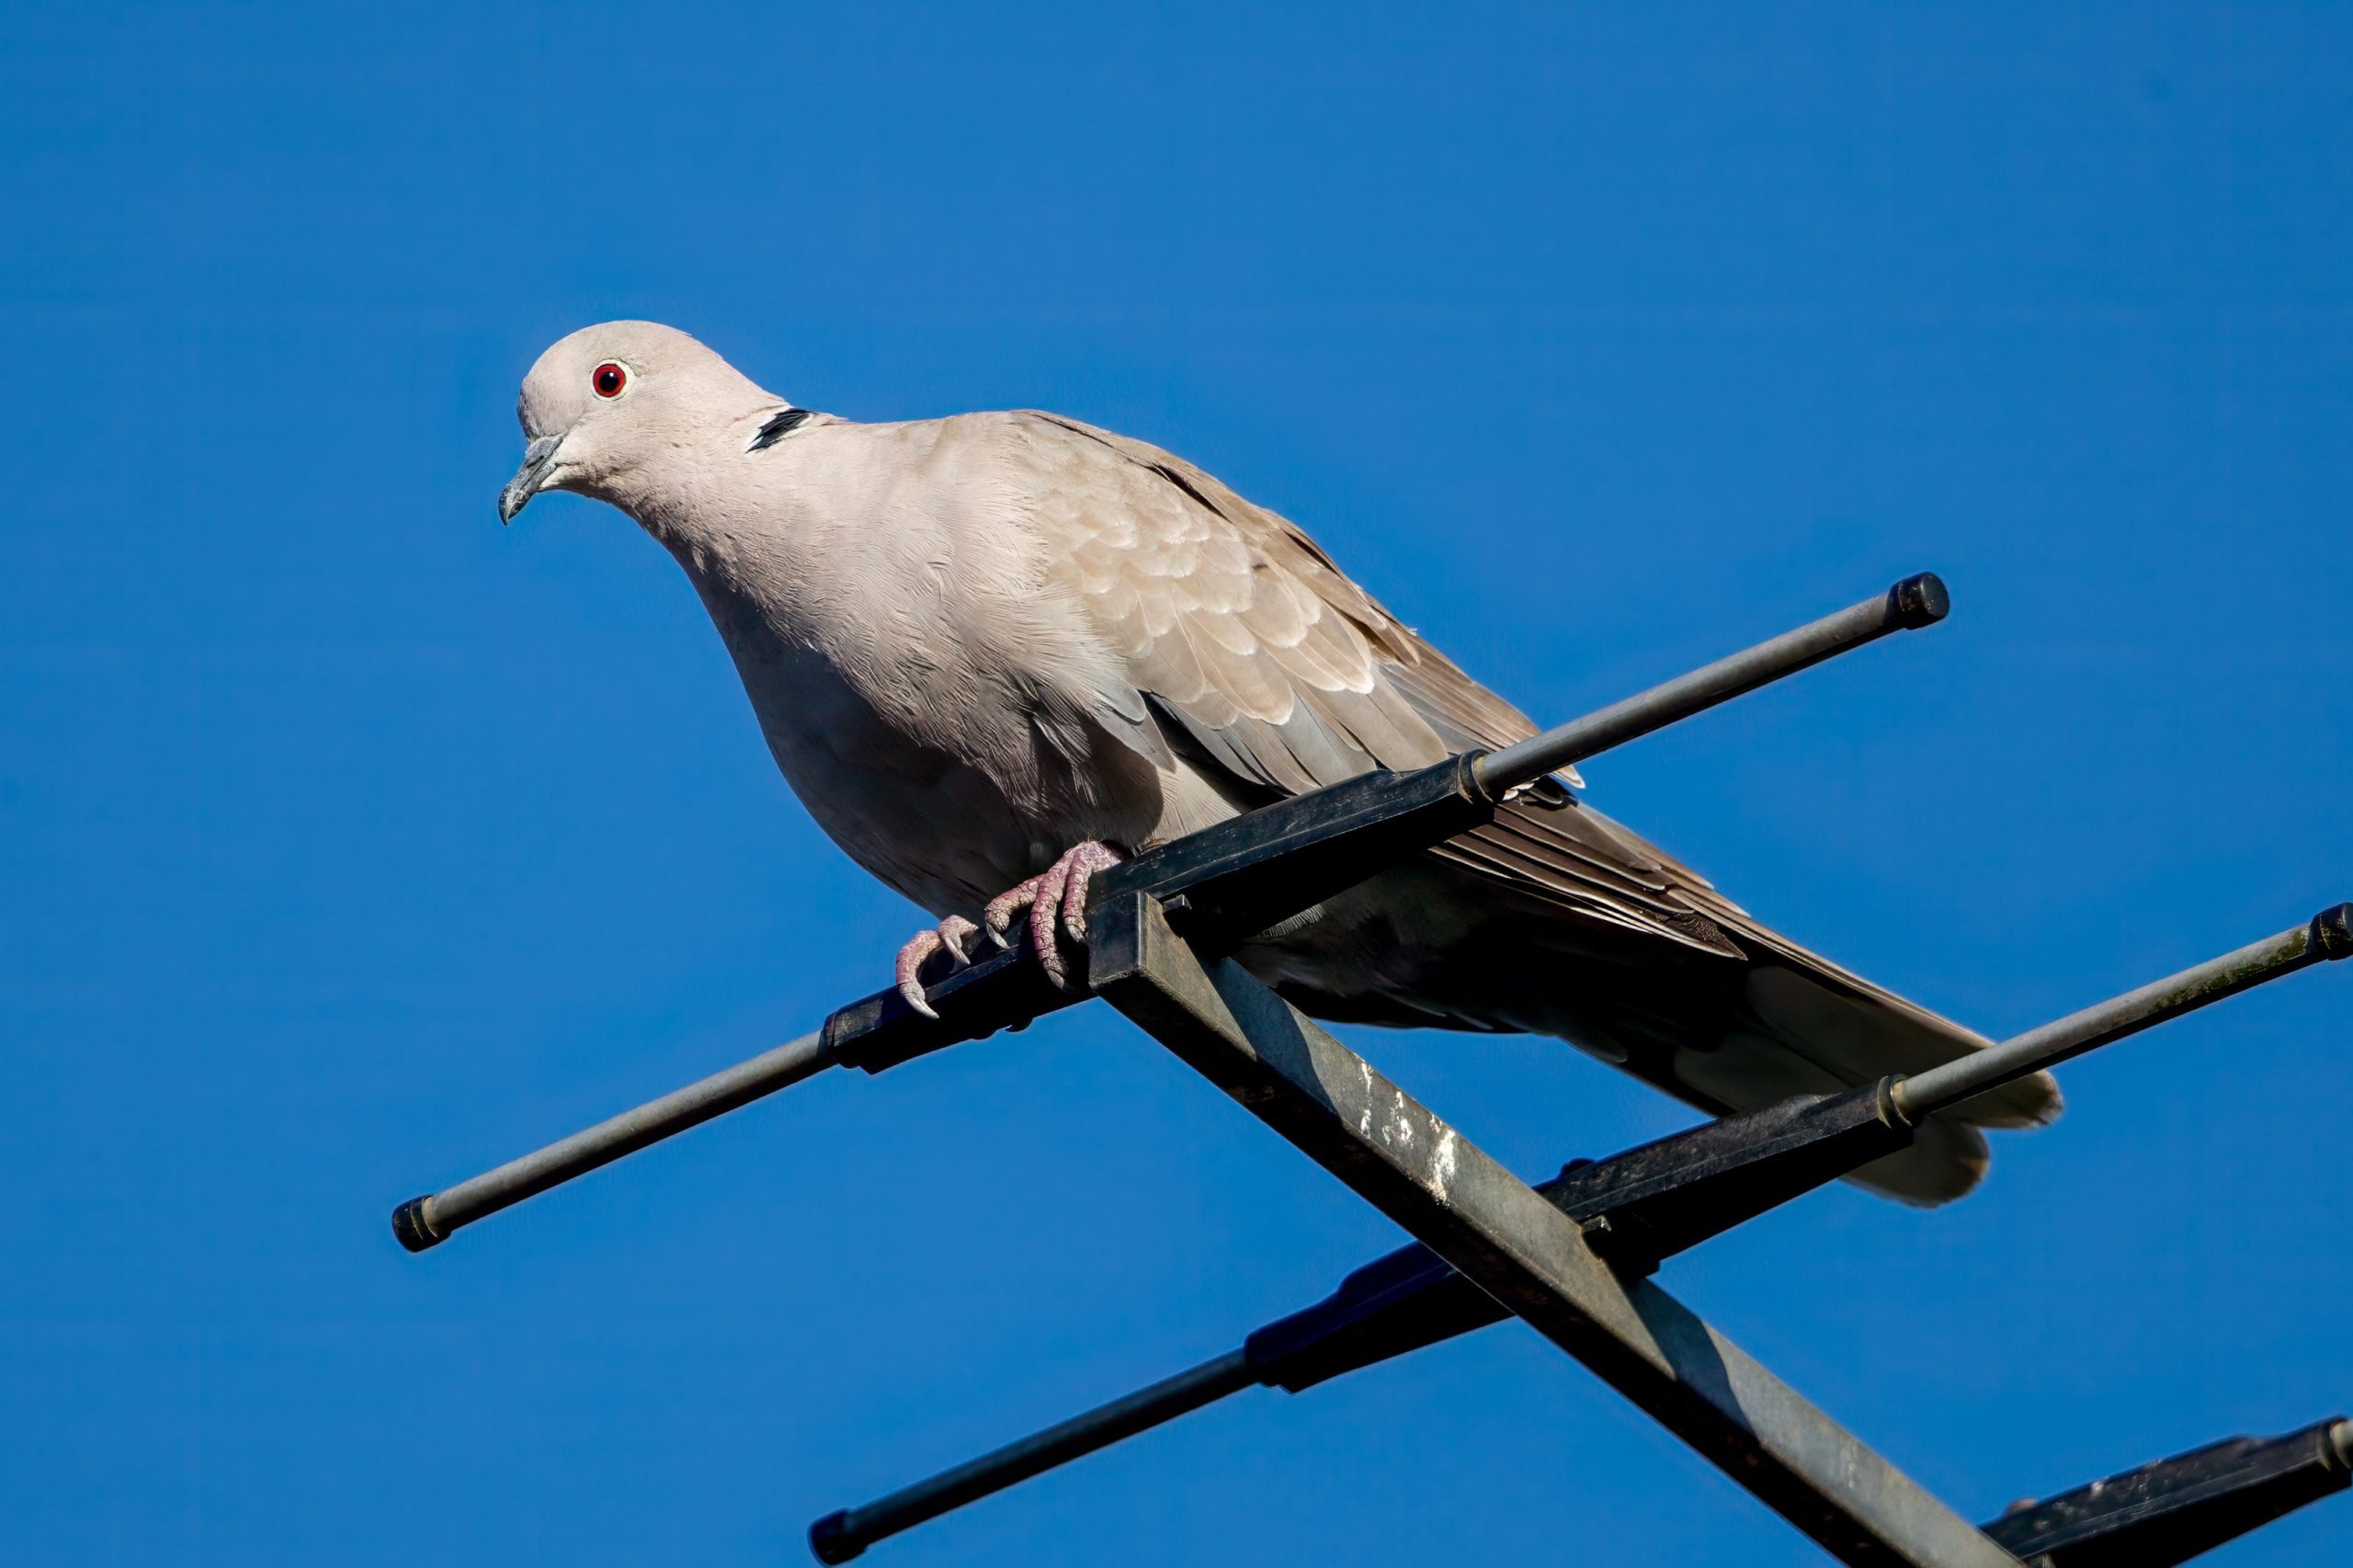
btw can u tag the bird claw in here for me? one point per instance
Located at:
(949, 936)
(1056, 900)
(954, 932)
(997, 918)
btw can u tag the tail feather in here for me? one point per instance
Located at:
(1732, 1015)
(1795, 1024)
(1859, 1031)
(1945, 1160)
(1749, 1019)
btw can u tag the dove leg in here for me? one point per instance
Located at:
(949, 936)
(1056, 900)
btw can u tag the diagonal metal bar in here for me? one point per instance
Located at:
(1232, 880)
(1328, 1102)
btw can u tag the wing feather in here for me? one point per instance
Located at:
(1287, 674)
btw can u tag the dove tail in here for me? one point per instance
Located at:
(1744, 1019)
(1786, 1021)
(1818, 1013)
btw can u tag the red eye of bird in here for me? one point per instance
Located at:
(609, 380)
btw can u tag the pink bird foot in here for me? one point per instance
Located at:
(949, 936)
(1056, 900)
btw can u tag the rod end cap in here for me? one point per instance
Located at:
(2333, 931)
(412, 1230)
(1919, 601)
(830, 1539)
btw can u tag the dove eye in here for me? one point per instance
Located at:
(608, 379)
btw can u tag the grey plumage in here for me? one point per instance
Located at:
(974, 642)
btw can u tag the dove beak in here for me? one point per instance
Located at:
(537, 458)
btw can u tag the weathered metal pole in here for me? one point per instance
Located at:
(846, 1532)
(2328, 935)
(423, 1222)
(1913, 603)
(2181, 1507)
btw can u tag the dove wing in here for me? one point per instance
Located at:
(1257, 656)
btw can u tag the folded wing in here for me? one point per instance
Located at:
(1257, 657)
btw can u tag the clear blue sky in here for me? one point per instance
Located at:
(349, 843)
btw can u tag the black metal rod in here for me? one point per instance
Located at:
(842, 1535)
(425, 1221)
(2181, 1507)
(2328, 935)
(1915, 602)
(1362, 824)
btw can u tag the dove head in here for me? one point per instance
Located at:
(604, 408)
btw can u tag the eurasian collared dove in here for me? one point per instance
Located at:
(994, 651)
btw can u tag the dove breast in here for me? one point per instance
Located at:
(908, 607)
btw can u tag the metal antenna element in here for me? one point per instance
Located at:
(2328, 935)
(1232, 880)
(423, 1222)
(1913, 603)
(2175, 1510)
(843, 1534)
